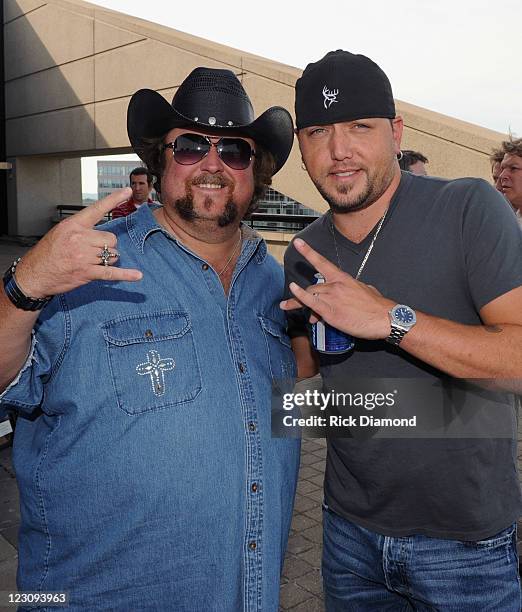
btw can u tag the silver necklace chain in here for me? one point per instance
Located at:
(229, 260)
(369, 250)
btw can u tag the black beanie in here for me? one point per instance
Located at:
(342, 87)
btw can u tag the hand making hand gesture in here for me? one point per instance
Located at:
(70, 254)
(343, 302)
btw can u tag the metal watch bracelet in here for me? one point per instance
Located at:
(396, 335)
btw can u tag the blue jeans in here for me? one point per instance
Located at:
(366, 571)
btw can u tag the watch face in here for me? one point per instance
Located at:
(404, 315)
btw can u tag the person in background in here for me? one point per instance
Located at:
(511, 174)
(495, 159)
(140, 180)
(414, 162)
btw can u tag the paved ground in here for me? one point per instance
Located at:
(10, 249)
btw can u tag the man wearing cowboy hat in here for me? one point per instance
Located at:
(148, 476)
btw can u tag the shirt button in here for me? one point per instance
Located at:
(251, 426)
(254, 487)
(149, 334)
(242, 368)
(204, 267)
(252, 545)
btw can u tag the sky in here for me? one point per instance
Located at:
(457, 57)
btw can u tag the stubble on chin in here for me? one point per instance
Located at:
(341, 202)
(343, 205)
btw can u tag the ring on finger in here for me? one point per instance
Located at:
(106, 255)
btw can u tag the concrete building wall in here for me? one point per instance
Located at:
(36, 186)
(71, 68)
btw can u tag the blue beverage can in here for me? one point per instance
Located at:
(327, 339)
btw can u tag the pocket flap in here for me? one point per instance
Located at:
(276, 329)
(150, 327)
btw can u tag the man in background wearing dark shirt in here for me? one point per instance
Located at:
(413, 161)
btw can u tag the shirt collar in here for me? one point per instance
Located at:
(143, 224)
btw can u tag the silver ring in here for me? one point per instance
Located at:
(105, 255)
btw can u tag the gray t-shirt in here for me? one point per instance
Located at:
(446, 248)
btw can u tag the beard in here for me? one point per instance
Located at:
(342, 201)
(185, 205)
(185, 208)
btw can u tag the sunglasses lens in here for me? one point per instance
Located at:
(190, 148)
(235, 152)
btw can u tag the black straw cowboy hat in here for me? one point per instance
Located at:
(209, 99)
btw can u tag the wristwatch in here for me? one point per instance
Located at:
(402, 319)
(16, 295)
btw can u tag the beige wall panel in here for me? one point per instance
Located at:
(449, 128)
(44, 38)
(108, 37)
(285, 75)
(206, 50)
(277, 243)
(76, 6)
(265, 93)
(111, 123)
(150, 64)
(447, 159)
(60, 87)
(69, 130)
(16, 8)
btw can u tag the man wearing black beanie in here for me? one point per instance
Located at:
(425, 275)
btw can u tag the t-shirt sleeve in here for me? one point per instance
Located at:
(297, 270)
(492, 244)
(26, 391)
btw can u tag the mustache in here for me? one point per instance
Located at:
(211, 179)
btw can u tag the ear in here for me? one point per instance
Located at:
(397, 126)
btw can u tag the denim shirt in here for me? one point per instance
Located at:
(148, 476)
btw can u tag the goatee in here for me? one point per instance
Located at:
(185, 209)
(185, 205)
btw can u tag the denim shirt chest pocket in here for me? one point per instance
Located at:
(280, 355)
(153, 361)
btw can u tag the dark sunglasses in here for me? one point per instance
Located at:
(189, 149)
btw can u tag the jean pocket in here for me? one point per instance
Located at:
(280, 355)
(502, 538)
(153, 361)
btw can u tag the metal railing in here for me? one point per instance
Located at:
(258, 221)
(279, 222)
